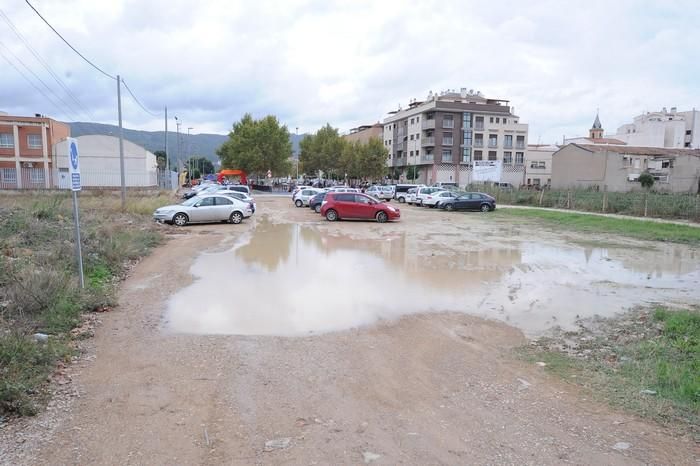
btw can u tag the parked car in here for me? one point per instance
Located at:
(338, 206)
(301, 198)
(316, 201)
(240, 196)
(411, 196)
(401, 192)
(299, 188)
(342, 189)
(470, 201)
(203, 209)
(381, 192)
(432, 200)
(424, 192)
(241, 188)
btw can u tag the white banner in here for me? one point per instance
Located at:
(487, 170)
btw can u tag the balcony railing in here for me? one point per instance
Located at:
(493, 144)
(428, 124)
(508, 145)
(428, 141)
(426, 158)
(447, 141)
(478, 143)
(479, 127)
(520, 145)
(448, 123)
(399, 146)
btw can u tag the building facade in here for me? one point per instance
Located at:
(100, 166)
(617, 168)
(446, 135)
(672, 129)
(538, 164)
(364, 133)
(25, 150)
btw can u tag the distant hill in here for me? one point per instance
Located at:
(201, 144)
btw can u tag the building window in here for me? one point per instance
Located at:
(508, 141)
(479, 123)
(466, 120)
(447, 155)
(466, 155)
(492, 155)
(412, 120)
(411, 137)
(478, 140)
(36, 175)
(519, 156)
(417, 136)
(688, 132)
(505, 121)
(34, 141)
(417, 119)
(417, 152)
(448, 121)
(508, 158)
(8, 175)
(447, 139)
(491, 120)
(7, 140)
(498, 120)
(520, 142)
(493, 140)
(538, 164)
(478, 155)
(411, 153)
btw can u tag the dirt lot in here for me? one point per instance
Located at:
(166, 381)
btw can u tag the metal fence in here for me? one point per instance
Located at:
(34, 178)
(639, 204)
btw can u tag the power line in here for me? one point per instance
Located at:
(46, 65)
(68, 43)
(137, 100)
(66, 105)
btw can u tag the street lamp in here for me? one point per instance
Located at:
(189, 152)
(179, 162)
(297, 134)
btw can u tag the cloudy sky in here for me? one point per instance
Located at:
(350, 62)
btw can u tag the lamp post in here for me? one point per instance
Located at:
(189, 154)
(179, 161)
(297, 134)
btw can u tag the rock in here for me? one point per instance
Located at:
(368, 456)
(648, 392)
(40, 337)
(362, 428)
(524, 384)
(541, 364)
(620, 446)
(278, 443)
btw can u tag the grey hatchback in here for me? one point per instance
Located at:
(470, 201)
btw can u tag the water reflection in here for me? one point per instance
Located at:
(287, 279)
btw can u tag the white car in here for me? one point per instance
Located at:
(423, 193)
(342, 189)
(302, 197)
(205, 208)
(432, 200)
(381, 192)
(240, 196)
(411, 196)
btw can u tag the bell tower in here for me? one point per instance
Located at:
(596, 132)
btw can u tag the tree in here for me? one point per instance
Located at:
(200, 164)
(161, 160)
(647, 180)
(256, 146)
(322, 151)
(373, 157)
(412, 173)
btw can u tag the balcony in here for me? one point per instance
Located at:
(427, 158)
(478, 143)
(428, 141)
(449, 124)
(400, 146)
(427, 124)
(447, 141)
(399, 162)
(479, 127)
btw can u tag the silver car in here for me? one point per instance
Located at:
(205, 208)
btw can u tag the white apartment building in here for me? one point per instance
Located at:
(445, 135)
(538, 164)
(671, 129)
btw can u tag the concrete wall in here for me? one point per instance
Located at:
(574, 167)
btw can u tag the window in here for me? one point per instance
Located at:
(8, 175)
(688, 132)
(344, 197)
(223, 201)
(411, 137)
(520, 142)
(536, 181)
(493, 140)
(411, 120)
(359, 198)
(417, 137)
(447, 155)
(538, 164)
(505, 121)
(492, 155)
(498, 120)
(36, 175)
(411, 153)
(417, 153)
(478, 140)
(34, 141)
(508, 157)
(508, 141)
(417, 119)
(447, 139)
(491, 120)
(519, 156)
(637, 163)
(448, 121)
(479, 123)
(478, 155)
(466, 155)
(7, 140)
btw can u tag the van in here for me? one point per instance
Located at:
(401, 191)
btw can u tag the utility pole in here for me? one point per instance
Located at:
(189, 154)
(297, 133)
(121, 141)
(167, 157)
(177, 142)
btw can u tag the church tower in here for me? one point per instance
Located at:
(596, 132)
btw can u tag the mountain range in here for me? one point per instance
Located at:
(202, 144)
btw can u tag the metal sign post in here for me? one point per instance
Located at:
(75, 186)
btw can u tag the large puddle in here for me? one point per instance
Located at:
(293, 280)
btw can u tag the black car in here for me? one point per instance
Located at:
(470, 201)
(316, 201)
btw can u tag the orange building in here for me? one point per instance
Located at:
(25, 150)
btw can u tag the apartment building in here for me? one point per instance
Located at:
(672, 129)
(364, 133)
(25, 150)
(448, 133)
(538, 164)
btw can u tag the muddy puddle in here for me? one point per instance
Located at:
(294, 280)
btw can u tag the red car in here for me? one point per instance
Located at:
(355, 205)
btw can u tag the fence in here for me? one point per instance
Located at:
(640, 204)
(37, 178)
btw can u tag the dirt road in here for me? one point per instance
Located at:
(431, 388)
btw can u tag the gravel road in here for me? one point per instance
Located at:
(431, 388)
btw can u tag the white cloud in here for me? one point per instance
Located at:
(349, 62)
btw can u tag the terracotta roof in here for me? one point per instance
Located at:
(635, 150)
(606, 141)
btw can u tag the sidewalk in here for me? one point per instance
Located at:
(599, 214)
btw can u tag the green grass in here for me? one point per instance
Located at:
(662, 355)
(641, 229)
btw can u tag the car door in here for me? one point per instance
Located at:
(223, 206)
(345, 205)
(203, 211)
(462, 202)
(363, 206)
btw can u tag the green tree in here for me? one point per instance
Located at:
(322, 151)
(200, 164)
(412, 173)
(161, 158)
(373, 157)
(647, 180)
(257, 146)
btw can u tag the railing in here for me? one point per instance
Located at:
(479, 127)
(426, 158)
(520, 145)
(447, 141)
(493, 144)
(448, 124)
(428, 141)
(478, 143)
(427, 124)
(508, 145)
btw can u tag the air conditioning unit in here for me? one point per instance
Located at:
(632, 177)
(28, 164)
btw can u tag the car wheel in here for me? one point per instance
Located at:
(317, 208)
(331, 215)
(402, 200)
(180, 219)
(236, 217)
(485, 207)
(449, 207)
(382, 217)
(299, 203)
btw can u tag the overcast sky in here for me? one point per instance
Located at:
(350, 62)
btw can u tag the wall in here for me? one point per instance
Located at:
(574, 167)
